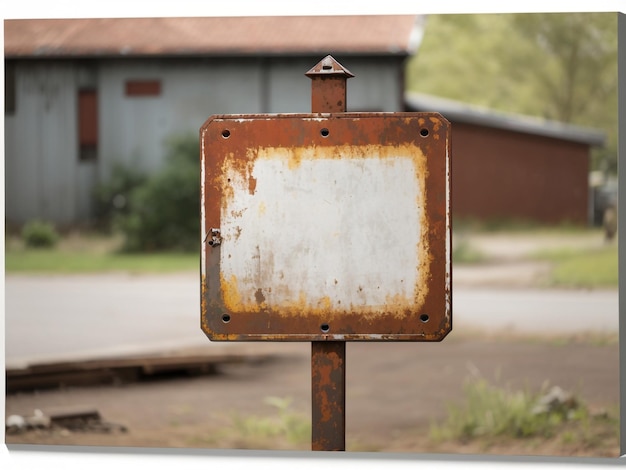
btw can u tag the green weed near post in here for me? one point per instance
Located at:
(286, 429)
(492, 414)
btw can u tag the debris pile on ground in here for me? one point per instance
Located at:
(557, 401)
(86, 420)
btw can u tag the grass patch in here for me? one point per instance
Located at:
(58, 262)
(492, 412)
(77, 254)
(591, 268)
(464, 253)
(512, 225)
(284, 430)
(494, 415)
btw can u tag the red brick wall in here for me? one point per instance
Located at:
(500, 174)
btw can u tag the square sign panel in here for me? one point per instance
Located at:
(326, 227)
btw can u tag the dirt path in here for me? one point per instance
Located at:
(394, 390)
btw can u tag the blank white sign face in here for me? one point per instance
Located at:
(326, 227)
(332, 234)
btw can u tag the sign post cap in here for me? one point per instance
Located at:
(329, 66)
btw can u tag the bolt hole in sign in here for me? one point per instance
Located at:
(326, 227)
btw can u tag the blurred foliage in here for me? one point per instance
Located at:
(163, 213)
(560, 66)
(111, 197)
(39, 234)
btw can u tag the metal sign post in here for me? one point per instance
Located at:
(328, 358)
(326, 227)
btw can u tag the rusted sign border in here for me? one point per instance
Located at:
(429, 131)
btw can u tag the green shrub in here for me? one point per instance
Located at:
(111, 198)
(164, 212)
(39, 234)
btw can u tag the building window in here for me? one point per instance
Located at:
(139, 88)
(88, 124)
(9, 88)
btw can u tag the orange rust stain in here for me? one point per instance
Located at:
(436, 123)
(203, 304)
(251, 185)
(322, 307)
(230, 292)
(324, 383)
(423, 246)
(299, 305)
(296, 155)
(223, 181)
(324, 372)
(325, 303)
(397, 305)
(398, 302)
(326, 409)
(235, 172)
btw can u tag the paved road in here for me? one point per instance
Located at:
(535, 310)
(62, 317)
(68, 317)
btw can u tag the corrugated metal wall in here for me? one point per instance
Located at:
(41, 156)
(504, 175)
(47, 179)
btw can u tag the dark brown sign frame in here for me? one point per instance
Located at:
(230, 147)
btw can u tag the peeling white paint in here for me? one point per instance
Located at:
(329, 233)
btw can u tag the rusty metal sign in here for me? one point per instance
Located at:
(326, 227)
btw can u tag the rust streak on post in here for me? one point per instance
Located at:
(328, 380)
(328, 358)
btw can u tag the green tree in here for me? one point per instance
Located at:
(576, 79)
(560, 66)
(579, 56)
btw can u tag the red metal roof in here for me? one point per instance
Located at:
(364, 34)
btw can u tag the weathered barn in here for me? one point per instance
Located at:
(508, 167)
(84, 94)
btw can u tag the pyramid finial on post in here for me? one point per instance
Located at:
(329, 66)
(328, 86)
